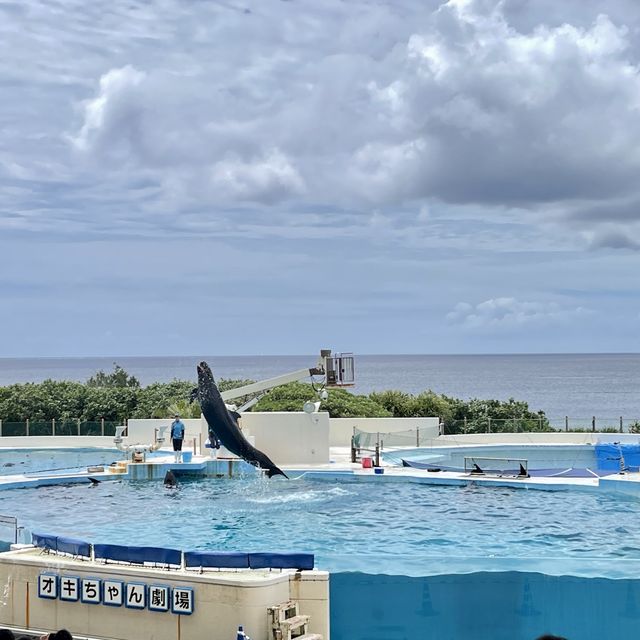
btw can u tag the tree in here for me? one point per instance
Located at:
(118, 395)
(405, 405)
(182, 408)
(117, 378)
(476, 415)
(43, 401)
(154, 399)
(339, 404)
(110, 403)
(162, 399)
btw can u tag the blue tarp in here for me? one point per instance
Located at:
(163, 556)
(45, 541)
(137, 555)
(216, 559)
(281, 560)
(74, 547)
(608, 456)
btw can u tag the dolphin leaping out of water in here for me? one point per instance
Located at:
(223, 424)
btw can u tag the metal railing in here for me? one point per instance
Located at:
(366, 442)
(10, 523)
(363, 442)
(58, 428)
(593, 424)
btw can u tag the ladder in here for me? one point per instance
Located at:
(285, 623)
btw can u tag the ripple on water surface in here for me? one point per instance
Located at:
(380, 527)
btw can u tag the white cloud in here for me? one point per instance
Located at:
(267, 179)
(400, 146)
(111, 113)
(511, 313)
(450, 103)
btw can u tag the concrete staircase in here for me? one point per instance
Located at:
(285, 623)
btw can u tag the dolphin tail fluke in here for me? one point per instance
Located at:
(274, 471)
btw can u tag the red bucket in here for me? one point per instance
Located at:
(367, 463)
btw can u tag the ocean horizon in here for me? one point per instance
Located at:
(578, 385)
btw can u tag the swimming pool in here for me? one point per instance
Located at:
(385, 527)
(480, 562)
(13, 461)
(601, 455)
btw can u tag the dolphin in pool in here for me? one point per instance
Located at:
(223, 424)
(170, 479)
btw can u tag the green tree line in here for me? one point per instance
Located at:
(469, 416)
(113, 396)
(117, 395)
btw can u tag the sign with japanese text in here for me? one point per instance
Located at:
(182, 601)
(136, 595)
(112, 593)
(159, 597)
(91, 590)
(116, 593)
(47, 586)
(70, 588)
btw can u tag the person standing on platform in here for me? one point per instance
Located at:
(177, 436)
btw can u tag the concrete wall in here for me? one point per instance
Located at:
(290, 437)
(141, 431)
(286, 437)
(341, 429)
(535, 438)
(42, 442)
(223, 600)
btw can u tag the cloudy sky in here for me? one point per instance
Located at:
(276, 176)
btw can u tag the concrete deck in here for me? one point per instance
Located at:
(153, 469)
(339, 469)
(342, 469)
(419, 476)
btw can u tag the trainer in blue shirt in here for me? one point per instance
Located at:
(177, 436)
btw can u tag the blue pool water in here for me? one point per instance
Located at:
(377, 527)
(13, 461)
(406, 560)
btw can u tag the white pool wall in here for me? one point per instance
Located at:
(294, 437)
(57, 442)
(223, 600)
(542, 437)
(142, 431)
(540, 456)
(541, 450)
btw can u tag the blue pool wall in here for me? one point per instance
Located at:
(483, 606)
(537, 455)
